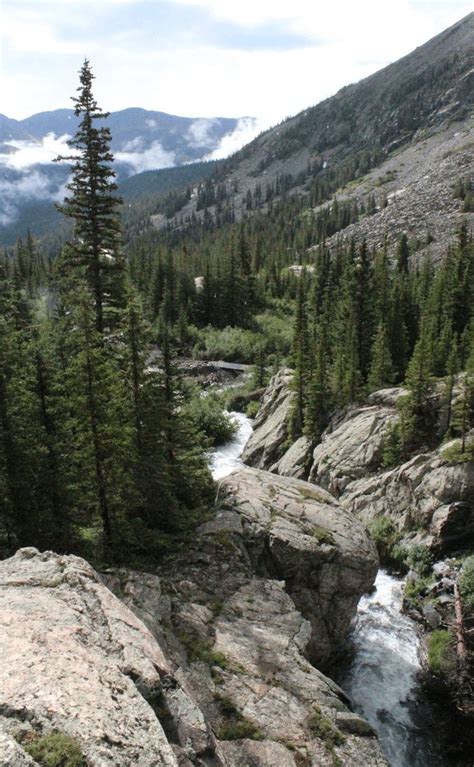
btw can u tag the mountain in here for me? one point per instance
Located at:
(399, 139)
(142, 141)
(134, 132)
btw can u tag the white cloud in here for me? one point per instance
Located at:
(134, 145)
(27, 31)
(199, 131)
(153, 158)
(246, 130)
(24, 154)
(29, 186)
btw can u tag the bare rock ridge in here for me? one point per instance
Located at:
(429, 499)
(207, 662)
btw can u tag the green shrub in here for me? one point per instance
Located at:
(252, 409)
(441, 652)
(202, 650)
(415, 589)
(238, 729)
(209, 418)
(386, 538)
(322, 535)
(238, 726)
(322, 728)
(230, 344)
(54, 750)
(420, 559)
(466, 584)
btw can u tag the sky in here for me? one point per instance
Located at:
(231, 58)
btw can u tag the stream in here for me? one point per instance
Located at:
(382, 679)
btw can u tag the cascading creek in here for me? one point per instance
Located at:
(383, 678)
(226, 458)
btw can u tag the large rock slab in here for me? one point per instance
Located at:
(429, 494)
(352, 447)
(294, 463)
(237, 641)
(77, 660)
(300, 533)
(268, 441)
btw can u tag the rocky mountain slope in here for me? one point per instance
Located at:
(402, 137)
(205, 663)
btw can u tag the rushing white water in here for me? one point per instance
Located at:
(226, 458)
(382, 680)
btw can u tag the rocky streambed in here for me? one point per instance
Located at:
(383, 680)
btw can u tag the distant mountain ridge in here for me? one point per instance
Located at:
(142, 141)
(188, 138)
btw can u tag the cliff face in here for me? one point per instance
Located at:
(205, 663)
(429, 498)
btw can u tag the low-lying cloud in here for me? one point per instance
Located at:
(140, 159)
(247, 129)
(28, 172)
(26, 187)
(199, 132)
(19, 154)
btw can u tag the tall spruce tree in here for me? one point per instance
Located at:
(93, 205)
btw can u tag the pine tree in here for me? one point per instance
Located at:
(93, 205)
(381, 369)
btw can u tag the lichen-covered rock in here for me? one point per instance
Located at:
(294, 463)
(11, 753)
(236, 637)
(253, 669)
(353, 446)
(428, 493)
(299, 533)
(267, 443)
(77, 660)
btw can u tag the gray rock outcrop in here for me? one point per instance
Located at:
(428, 493)
(352, 447)
(207, 662)
(267, 444)
(76, 660)
(298, 532)
(241, 611)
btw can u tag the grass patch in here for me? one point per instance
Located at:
(414, 591)
(454, 454)
(202, 650)
(324, 729)
(441, 652)
(323, 536)
(53, 750)
(312, 495)
(238, 727)
(466, 584)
